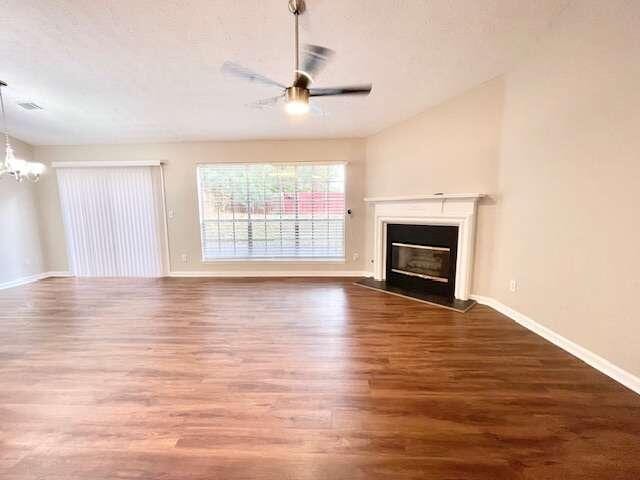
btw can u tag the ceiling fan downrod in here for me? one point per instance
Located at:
(296, 7)
(296, 98)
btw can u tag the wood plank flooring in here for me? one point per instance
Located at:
(183, 379)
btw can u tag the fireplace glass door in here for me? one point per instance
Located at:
(431, 263)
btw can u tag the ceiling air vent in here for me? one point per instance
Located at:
(30, 106)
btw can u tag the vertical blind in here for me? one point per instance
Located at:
(113, 221)
(272, 210)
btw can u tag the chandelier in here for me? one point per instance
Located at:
(19, 169)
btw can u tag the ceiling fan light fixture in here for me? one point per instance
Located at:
(297, 107)
(297, 101)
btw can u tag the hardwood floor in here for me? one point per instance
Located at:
(292, 379)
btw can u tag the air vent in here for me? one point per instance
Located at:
(30, 106)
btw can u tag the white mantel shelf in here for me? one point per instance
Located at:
(417, 198)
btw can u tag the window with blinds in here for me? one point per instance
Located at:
(254, 211)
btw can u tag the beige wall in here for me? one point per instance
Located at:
(452, 148)
(20, 250)
(182, 197)
(569, 221)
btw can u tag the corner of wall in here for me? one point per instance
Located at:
(21, 254)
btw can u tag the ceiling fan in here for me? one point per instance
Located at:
(296, 96)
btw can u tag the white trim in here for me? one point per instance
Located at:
(257, 162)
(627, 379)
(410, 198)
(23, 281)
(166, 264)
(321, 260)
(270, 273)
(32, 278)
(208, 274)
(109, 163)
(58, 273)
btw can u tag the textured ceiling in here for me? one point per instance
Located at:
(114, 71)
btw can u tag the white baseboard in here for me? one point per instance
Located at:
(605, 366)
(225, 274)
(32, 278)
(58, 273)
(270, 273)
(23, 280)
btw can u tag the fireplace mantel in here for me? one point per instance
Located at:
(456, 209)
(429, 197)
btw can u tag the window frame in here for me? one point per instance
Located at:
(323, 260)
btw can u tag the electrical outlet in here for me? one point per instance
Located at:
(356, 256)
(184, 257)
(171, 213)
(513, 285)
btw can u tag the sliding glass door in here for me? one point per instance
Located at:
(114, 220)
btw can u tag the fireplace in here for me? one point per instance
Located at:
(422, 258)
(423, 247)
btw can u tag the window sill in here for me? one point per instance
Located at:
(276, 260)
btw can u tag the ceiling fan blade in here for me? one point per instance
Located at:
(265, 102)
(316, 111)
(234, 70)
(354, 90)
(314, 59)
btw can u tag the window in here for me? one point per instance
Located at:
(254, 211)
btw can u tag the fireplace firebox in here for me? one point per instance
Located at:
(422, 258)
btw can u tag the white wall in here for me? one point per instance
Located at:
(182, 196)
(20, 249)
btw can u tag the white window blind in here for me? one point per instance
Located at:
(253, 211)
